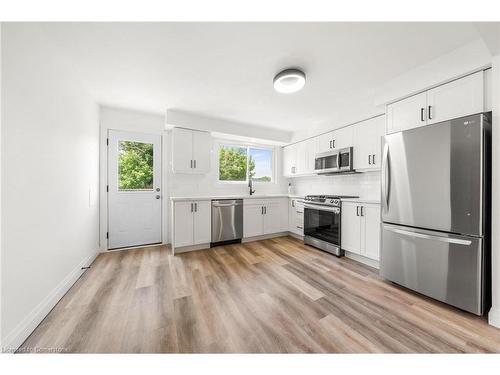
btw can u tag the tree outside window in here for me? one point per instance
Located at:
(239, 163)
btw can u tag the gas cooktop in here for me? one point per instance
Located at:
(330, 200)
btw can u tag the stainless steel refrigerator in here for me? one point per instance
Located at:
(436, 211)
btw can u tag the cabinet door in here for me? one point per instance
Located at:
(273, 218)
(325, 142)
(290, 160)
(183, 224)
(459, 98)
(362, 147)
(252, 220)
(202, 222)
(376, 141)
(299, 218)
(202, 147)
(291, 214)
(371, 219)
(182, 150)
(350, 228)
(407, 113)
(342, 137)
(306, 153)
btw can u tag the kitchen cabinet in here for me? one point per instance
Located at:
(367, 139)
(458, 98)
(192, 223)
(191, 151)
(264, 216)
(360, 230)
(296, 216)
(406, 114)
(306, 153)
(461, 97)
(290, 160)
(339, 138)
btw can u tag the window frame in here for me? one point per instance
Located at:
(229, 143)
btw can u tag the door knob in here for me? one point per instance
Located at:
(157, 197)
(157, 189)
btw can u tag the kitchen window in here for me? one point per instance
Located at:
(238, 163)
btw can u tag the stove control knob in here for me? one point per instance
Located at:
(331, 201)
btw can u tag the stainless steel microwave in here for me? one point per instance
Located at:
(334, 161)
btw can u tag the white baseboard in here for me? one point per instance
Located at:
(22, 331)
(494, 316)
(185, 249)
(295, 235)
(361, 259)
(265, 237)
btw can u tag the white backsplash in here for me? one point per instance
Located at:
(365, 185)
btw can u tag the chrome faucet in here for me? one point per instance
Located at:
(250, 186)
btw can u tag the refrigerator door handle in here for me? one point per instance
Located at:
(386, 177)
(430, 237)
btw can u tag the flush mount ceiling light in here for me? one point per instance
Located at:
(289, 81)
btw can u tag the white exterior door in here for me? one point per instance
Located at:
(134, 189)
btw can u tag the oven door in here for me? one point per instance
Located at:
(323, 223)
(326, 162)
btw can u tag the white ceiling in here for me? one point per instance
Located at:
(226, 69)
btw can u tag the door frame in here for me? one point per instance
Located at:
(104, 182)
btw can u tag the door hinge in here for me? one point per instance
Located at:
(107, 235)
(107, 188)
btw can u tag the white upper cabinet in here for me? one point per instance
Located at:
(306, 153)
(190, 151)
(458, 98)
(339, 138)
(406, 114)
(462, 97)
(367, 138)
(290, 160)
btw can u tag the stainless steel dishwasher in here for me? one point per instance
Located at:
(227, 221)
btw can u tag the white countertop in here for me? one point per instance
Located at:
(361, 200)
(242, 196)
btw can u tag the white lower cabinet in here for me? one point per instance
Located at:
(264, 216)
(191, 221)
(296, 216)
(360, 227)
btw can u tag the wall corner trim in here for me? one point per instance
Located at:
(14, 339)
(494, 317)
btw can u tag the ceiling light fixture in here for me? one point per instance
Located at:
(289, 81)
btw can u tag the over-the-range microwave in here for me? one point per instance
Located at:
(334, 161)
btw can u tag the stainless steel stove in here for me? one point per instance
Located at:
(322, 222)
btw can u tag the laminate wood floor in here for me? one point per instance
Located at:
(270, 296)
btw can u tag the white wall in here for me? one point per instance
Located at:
(494, 315)
(49, 183)
(365, 185)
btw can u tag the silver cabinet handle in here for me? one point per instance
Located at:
(191, 207)
(429, 237)
(196, 207)
(422, 110)
(373, 159)
(361, 209)
(265, 210)
(293, 203)
(369, 159)
(429, 112)
(386, 177)
(262, 210)
(195, 163)
(299, 227)
(191, 165)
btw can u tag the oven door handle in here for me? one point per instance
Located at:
(322, 208)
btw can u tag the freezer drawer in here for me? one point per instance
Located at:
(443, 266)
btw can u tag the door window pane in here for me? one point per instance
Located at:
(232, 163)
(260, 164)
(135, 165)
